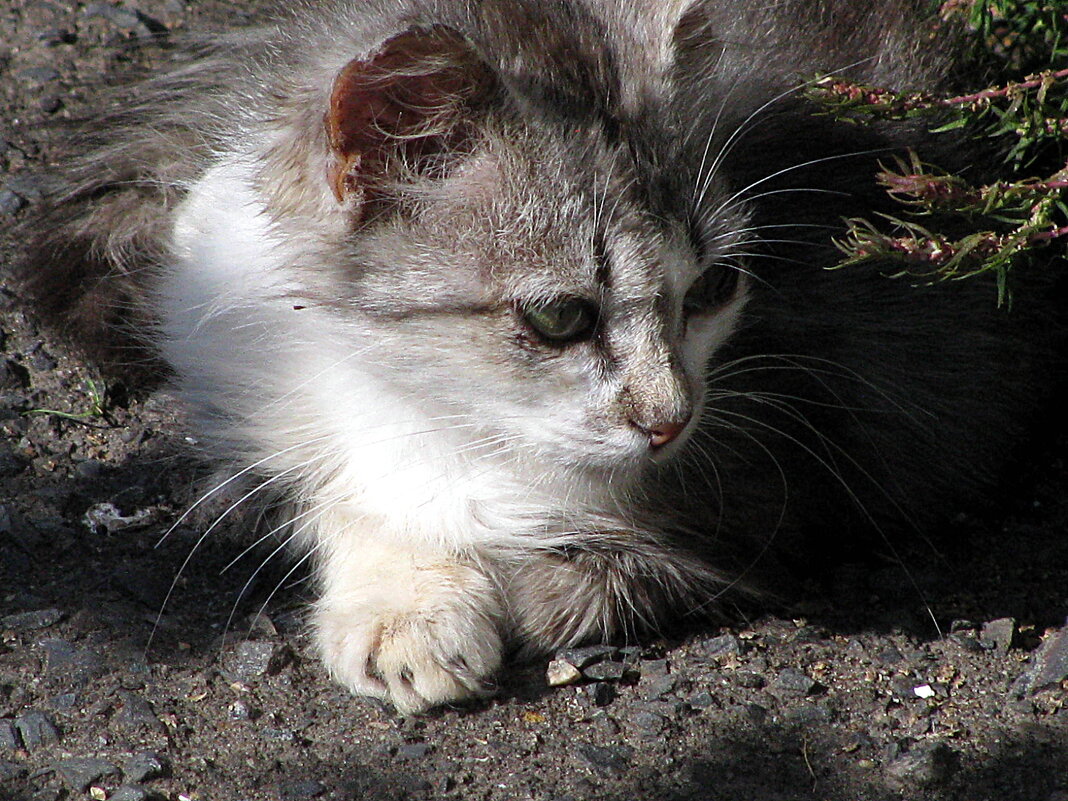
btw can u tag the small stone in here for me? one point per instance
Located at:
(658, 687)
(106, 517)
(80, 772)
(587, 655)
(39, 75)
(655, 667)
(118, 16)
(749, 679)
(723, 645)
(997, 635)
(648, 722)
(10, 202)
(600, 693)
(923, 766)
(560, 673)
(1051, 663)
(56, 36)
(702, 700)
(924, 691)
(856, 740)
(36, 729)
(79, 664)
(890, 656)
(136, 713)
(607, 760)
(144, 766)
(9, 736)
(10, 464)
(255, 659)
(793, 682)
(50, 104)
(129, 792)
(30, 621)
(12, 374)
(295, 791)
(9, 771)
(414, 750)
(65, 702)
(608, 670)
(89, 469)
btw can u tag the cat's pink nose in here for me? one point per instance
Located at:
(663, 433)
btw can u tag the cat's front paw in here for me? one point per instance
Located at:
(436, 641)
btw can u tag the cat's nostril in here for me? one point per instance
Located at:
(663, 433)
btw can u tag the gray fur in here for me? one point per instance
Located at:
(610, 134)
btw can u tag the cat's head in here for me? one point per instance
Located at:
(531, 241)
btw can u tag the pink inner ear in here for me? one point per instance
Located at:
(407, 100)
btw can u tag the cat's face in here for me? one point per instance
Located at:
(535, 294)
(544, 276)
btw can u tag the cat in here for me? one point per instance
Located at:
(522, 308)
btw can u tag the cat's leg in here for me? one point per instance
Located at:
(614, 589)
(412, 624)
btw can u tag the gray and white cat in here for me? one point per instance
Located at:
(522, 307)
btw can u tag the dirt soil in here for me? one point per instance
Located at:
(133, 670)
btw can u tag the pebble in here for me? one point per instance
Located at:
(414, 750)
(120, 17)
(608, 670)
(791, 681)
(39, 74)
(749, 680)
(80, 772)
(12, 374)
(50, 103)
(9, 736)
(924, 765)
(89, 469)
(136, 713)
(701, 700)
(560, 673)
(10, 203)
(56, 36)
(10, 771)
(106, 517)
(36, 729)
(607, 760)
(722, 646)
(996, 635)
(586, 655)
(1050, 663)
(254, 659)
(294, 791)
(600, 693)
(658, 687)
(63, 658)
(144, 766)
(30, 621)
(129, 792)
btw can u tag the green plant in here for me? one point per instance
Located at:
(98, 405)
(996, 225)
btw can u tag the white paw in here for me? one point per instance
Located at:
(431, 642)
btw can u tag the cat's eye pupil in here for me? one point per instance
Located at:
(562, 321)
(712, 288)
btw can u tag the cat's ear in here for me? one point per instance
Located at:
(407, 103)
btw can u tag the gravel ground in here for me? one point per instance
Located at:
(110, 689)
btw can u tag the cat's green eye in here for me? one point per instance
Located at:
(562, 321)
(714, 287)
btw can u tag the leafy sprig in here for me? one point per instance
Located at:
(1004, 222)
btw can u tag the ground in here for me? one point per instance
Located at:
(132, 669)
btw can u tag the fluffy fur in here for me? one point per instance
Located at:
(332, 232)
